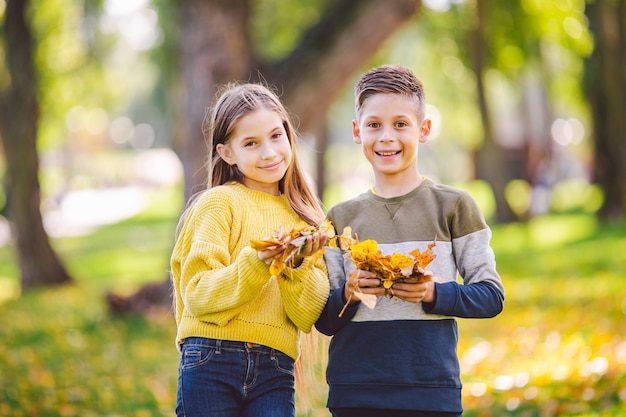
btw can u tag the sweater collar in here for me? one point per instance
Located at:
(257, 196)
(424, 184)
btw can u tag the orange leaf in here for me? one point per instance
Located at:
(345, 239)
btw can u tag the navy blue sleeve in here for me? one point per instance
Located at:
(329, 321)
(476, 300)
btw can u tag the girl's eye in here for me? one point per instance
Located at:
(277, 135)
(249, 144)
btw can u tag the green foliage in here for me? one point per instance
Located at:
(558, 349)
(277, 25)
(85, 60)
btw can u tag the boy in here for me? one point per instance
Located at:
(399, 358)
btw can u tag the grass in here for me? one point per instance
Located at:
(558, 349)
(64, 355)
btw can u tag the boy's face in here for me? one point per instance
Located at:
(390, 131)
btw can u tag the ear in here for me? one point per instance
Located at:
(425, 130)
(225, 153)
(356, 133)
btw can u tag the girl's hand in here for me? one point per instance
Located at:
(268, 255)
(313, 243)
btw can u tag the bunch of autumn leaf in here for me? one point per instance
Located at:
(390, 269)
(294, 239)
(396, 267)
(365, 255)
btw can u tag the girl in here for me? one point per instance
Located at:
(237, 325)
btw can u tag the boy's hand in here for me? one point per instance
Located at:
(414, 293)
(367, 284)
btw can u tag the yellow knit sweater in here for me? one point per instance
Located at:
(224, 291)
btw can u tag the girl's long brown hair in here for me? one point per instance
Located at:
(235, 101)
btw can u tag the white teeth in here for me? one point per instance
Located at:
(386, 153)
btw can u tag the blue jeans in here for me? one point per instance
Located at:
(221, 378)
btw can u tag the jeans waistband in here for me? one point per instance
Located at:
(220, 344)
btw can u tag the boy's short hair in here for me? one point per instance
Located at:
(390, 79)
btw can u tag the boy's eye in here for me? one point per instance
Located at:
(374, 125)
(249, 144)
(401, 124)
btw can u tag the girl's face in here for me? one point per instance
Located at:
(260, 148)
(390, 133)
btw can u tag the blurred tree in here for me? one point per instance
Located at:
(522, 87)
(19, 112)
(606, 91)
(217, 46)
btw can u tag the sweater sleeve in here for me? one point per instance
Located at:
(482, 292)
(213, 288)
(304, 291)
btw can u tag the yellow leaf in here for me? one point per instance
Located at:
(277, 267)
(399, 261)
(263, 244)
(367, 246)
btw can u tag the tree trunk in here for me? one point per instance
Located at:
(606, 91)
(215, 49)
(490, 159)
(38, 263)
(348, 34)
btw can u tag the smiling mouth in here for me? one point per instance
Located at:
(272, 166)
(388, 153)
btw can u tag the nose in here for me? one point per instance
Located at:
(268, 151)
(386, 134)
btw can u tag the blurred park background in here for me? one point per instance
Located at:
(101, 109)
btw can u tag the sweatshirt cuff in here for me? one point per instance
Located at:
(446, 295)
